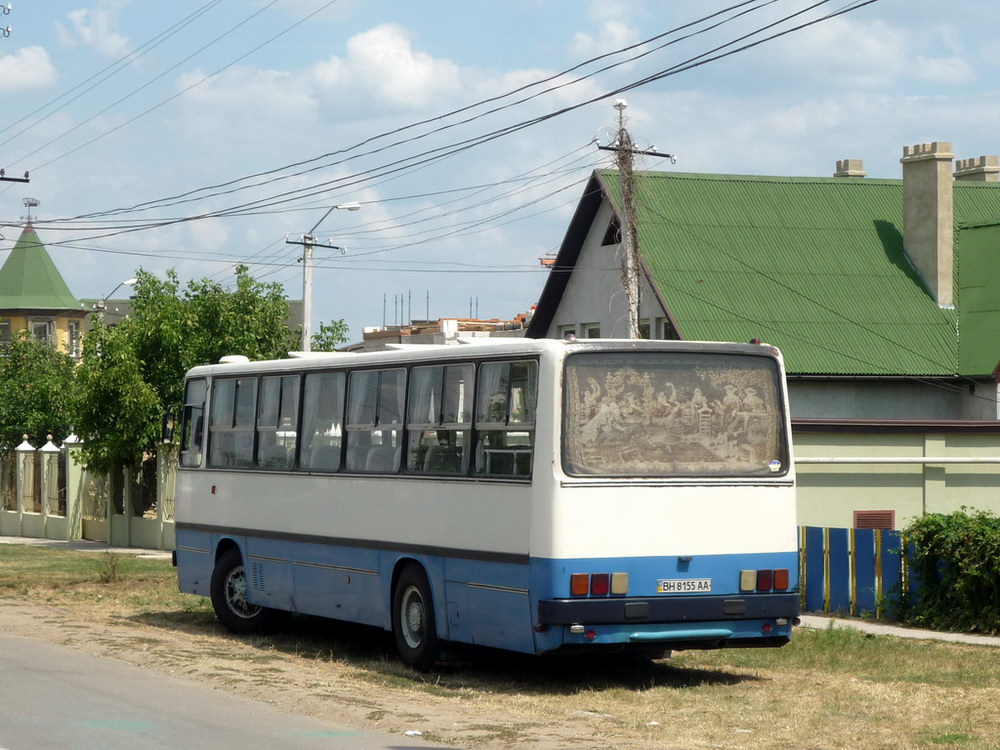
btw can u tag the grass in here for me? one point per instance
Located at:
(833, 688)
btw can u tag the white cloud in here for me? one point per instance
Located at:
(843, 51)
(613, 35)
(96, 28)
(383, 64)
(944, 70)
(28, 68)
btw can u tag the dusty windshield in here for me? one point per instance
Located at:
(672, 414)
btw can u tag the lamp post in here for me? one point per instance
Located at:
(100, 305)
(308, 241)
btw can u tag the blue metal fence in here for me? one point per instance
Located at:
(853, 571)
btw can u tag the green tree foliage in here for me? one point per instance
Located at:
(957, 567)
(36, 392)
(132, 374)
(330, 336)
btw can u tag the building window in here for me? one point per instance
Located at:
(74, 339)
(41, 330)
(667, 330)
(613, 235)
(644, 329)
(592, 330)
(5, 333)
(565, 331)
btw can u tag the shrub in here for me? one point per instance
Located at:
(955, 564)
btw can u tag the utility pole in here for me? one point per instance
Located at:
(308, 241)
(625, 149)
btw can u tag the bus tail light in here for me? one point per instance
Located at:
(781, 579)
(600, 584)
(765, 580)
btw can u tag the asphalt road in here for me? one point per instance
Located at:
(52, 697)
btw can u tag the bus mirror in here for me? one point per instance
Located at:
(167, 428)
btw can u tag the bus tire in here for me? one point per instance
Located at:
(413, 622)
(229, 599)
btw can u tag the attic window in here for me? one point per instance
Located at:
(614, 234)
(874, 519)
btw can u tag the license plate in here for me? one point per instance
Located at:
(684, 585)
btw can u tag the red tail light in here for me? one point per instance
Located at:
(600, 584)
(765, 580)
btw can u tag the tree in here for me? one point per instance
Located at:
(36, 392)
(133, 374)
(329, 336)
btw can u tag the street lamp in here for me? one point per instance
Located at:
(100, 305)
(307, 241)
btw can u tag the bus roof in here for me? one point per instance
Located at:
(466, 348)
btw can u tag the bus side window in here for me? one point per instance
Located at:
(505, 418)
(231, 425)
(192, 430)
(277, 421)
(322, 421)
(440, 419)
(375, 401)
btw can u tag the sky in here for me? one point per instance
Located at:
(200, 134)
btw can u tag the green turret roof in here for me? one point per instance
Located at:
(29, 279)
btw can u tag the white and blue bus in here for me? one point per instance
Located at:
(532, 495)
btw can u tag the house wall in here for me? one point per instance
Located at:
(596, 296)
(60, 338)
(828, 494)
(891, 399)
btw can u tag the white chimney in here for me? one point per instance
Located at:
(928, 218)
(980, 169)
(850, 168)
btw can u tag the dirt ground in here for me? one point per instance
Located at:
(383, 696)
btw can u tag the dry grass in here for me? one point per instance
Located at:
(828, 689)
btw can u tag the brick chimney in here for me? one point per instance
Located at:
(928, 219)
(850, 168)
(980, 169)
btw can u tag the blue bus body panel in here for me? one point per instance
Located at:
(480, 602)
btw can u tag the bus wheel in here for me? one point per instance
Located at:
(413, 620)
(229, 599)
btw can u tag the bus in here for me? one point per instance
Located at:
(536, 495)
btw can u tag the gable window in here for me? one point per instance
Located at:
(613, 235)
(592, 330)
(566, 331)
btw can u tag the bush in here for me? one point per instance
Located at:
(956, 567)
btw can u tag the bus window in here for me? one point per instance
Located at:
(375, 401)
(440, 419)
(277, 422)
(322, 421)
(505, 418)
(192, 432)
(231, 427)
(673, 414)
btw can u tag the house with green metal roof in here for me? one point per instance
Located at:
(882, 294)
(872, 325)
(35, 298)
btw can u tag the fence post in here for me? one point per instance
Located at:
(25, 479)
(49, 491)
(71, 447)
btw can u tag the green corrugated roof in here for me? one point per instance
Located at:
(816, 267)
(29, 279)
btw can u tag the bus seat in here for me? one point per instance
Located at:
(381, 458)
(443, 458)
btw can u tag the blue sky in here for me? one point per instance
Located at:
(115, 103)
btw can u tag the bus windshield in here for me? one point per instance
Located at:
(667, 414)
